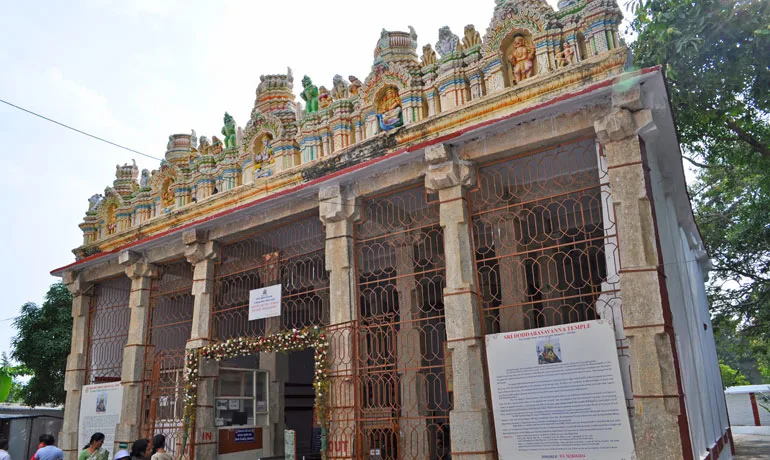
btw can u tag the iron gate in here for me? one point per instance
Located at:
(168, 329)
(108, 318)
(403, 402)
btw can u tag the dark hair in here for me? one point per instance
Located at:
(3, 444)
(96, 437)
(158, 442)
(47, 439)
(139, 447)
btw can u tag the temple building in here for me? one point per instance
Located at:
(496, 182)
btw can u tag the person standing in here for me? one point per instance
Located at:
(49, 451)
(141, 449)
(159, 448)
(93, 450)
(4, 455)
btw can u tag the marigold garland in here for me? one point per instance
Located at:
(283, 342)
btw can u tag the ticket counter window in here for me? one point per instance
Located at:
(241, 398)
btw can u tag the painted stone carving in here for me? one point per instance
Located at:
(193, 140)
(522, 58)
(471, 37)
(94, 202)
(340, 88)
(309, 94)
(229, 131)
(324, 98)
(564, 58)
(263, 158)
(205, 146)
(216, 145)
(144, 179)
(355, 85)
(428, 55)
(447, 42)
(389, 112)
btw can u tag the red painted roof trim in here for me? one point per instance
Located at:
(444, 138)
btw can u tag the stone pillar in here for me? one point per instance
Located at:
(76, 364)
(132, 375)
(414, 442)
(470, 421)
(202, 253)
(660, 423)
(339, 212)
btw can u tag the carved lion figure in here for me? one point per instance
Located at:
(340, 88)
(471, 38)
(428, 55)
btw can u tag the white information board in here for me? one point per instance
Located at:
(557, 393)
(100, 407)
(265, 302)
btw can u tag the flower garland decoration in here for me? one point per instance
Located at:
(283, 342)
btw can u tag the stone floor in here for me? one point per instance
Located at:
(751, 447)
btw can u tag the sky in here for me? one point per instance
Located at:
(136, 71)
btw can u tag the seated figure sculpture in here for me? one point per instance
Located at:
(389, 110)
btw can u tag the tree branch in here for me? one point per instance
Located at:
(748, 138)
(700, 165)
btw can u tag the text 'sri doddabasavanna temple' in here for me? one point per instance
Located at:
(342, 275)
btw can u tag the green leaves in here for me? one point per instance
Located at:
(42, 345)
(716, 55)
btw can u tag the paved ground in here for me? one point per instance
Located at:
(751, 447)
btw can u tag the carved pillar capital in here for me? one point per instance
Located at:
(198, 251)
(446, 169)
(627, 117)
(75, 284)
(136, 267)
(337, 203)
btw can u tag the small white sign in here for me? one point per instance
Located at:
(235, 404)
(265, 302)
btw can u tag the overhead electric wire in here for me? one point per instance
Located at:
(78, 131)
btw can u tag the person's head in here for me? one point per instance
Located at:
(158, 442)
(141, 448)
(97, 439)
(122, 454)
(47, 439)
(3, 444)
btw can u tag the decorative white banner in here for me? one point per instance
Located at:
(557, 394)
(100, 407)
(265, 302)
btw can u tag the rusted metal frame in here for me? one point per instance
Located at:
(519, 204)
(390, 235)
(267, 228)
(393, 278)
(251, 268)
(534, 303)
(545, 248)
(539, 150)
(93, 309)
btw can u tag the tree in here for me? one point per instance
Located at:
(42, 345)
(717, 64)
(7, 369)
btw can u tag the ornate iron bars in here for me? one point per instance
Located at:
(291, 254)
(168, 329)
(403, 400)
(108, 318)
(544, 237)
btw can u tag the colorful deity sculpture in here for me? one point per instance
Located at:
(564, 58)
(389, 112)
(355, 85)
(309, 94)
(229, 131)
(324, 98)
(522, 58)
